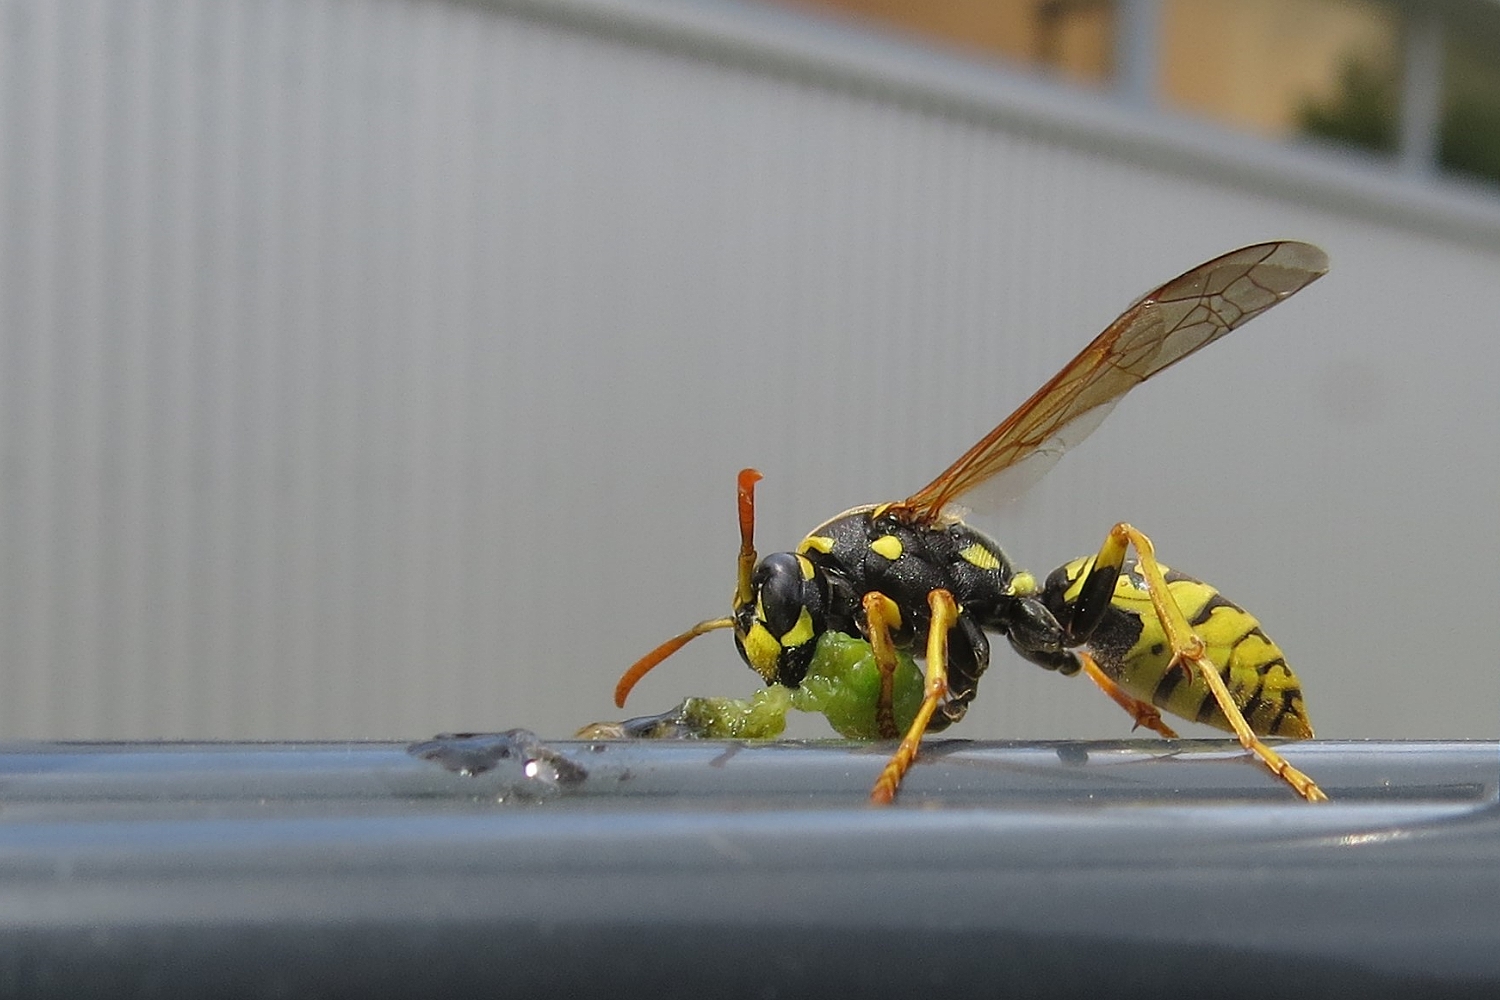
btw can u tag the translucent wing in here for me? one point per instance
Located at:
(1161, 328)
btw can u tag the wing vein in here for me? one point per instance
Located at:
(1159, 329)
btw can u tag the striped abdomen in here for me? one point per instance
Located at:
(1131, 647)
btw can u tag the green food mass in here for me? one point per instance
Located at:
(760, 717)
(843, 683)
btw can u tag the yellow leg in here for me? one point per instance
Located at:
(944, 614)
(881, 616)
(1144, 713)
(1188, 653)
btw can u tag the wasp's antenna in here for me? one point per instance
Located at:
(743, 594)
(742, 590)
(643, 666)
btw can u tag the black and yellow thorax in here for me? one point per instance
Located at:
(870, 549)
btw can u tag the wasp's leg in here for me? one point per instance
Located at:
(968, 658)
(1188, 650)
(882, 616)
(1144, 713)
(1070, 661)
(944, 614)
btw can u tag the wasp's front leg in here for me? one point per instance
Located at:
(935, 688)
(882, 618)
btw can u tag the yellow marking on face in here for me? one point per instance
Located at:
(816, 543)
(887, 546)
(977, 555)
(800, 632)
(807, 566)
(1023, 584)
(762, 650)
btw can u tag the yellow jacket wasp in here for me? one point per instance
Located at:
(912, 575)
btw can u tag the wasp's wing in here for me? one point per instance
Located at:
(1161, 328)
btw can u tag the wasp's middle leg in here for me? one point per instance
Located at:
(935, 688)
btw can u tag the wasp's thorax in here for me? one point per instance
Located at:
(777, 629)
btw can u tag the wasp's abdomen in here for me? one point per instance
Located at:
(1131, 646)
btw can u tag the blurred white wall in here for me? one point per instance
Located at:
(380, 367)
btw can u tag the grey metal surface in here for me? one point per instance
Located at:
(657, 869)
(377, 368)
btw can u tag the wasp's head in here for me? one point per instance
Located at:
(777, 624)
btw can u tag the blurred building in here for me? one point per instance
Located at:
(381, 367)
(1421, 79)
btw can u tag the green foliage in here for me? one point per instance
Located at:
(1365, 110)
(1470, 140)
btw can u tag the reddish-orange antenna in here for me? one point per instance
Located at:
(743, 593)
(643, 666)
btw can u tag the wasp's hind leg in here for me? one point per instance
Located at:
(935, 688)
(1188, 651)
(1070, 661)
(1143, 712)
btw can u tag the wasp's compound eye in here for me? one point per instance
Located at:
(780, 590)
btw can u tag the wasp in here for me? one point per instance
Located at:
(911, 574)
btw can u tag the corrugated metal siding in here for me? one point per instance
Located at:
(378, 368)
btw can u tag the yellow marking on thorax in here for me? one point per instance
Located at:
(815, 543)
(977, 555)
(887, 546)
(806, 565)
(1023, 584)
